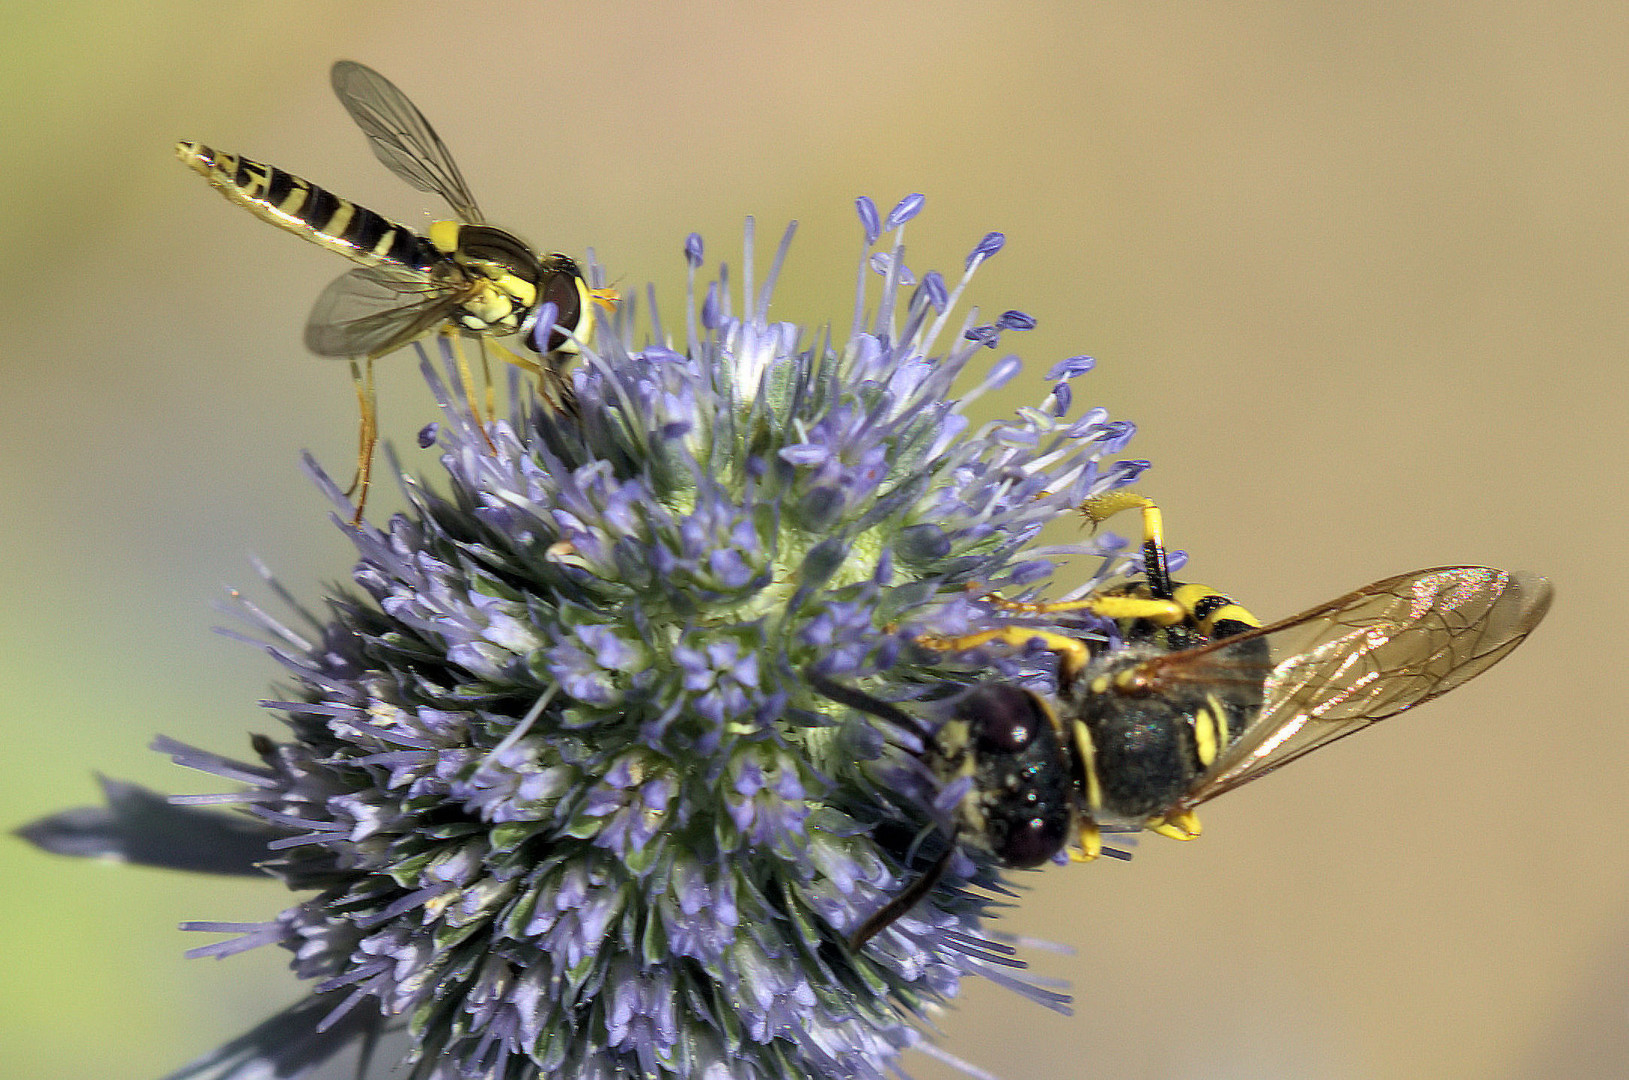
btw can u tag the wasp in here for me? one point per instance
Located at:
(1196, 698)
(462, 276)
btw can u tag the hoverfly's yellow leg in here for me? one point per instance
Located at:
(367, 437)
(486, 380)
(1072, 653)
(509, 356)
(553, 388)
(1107, 605)
(1091, 842)
(1178, 825)
(467, 379)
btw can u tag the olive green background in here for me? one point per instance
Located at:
(1357, 271)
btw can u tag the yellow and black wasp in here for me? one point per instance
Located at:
(463, 276)
(1197, 699)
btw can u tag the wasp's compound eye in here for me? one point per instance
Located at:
(1003, 719)
(1022, 778)
(1030, 841)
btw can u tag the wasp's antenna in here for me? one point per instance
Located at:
(918, 889)
(864, 702)
(894, 909)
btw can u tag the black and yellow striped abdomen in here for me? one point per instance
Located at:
(302, 207)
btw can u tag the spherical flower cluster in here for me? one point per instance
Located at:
(555, 790)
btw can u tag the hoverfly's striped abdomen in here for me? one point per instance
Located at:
(301, 207)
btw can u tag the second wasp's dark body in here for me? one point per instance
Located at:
(1195, 698)
(1109, 747)
(1146, 748)
(1199, 697)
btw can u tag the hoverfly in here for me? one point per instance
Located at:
(463, 276)
(1199, 699)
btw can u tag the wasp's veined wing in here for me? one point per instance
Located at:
(1360, 658)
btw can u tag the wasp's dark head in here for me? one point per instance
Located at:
(1008, 742)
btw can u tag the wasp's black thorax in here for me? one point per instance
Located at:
(1008, 742)
(1145, 737)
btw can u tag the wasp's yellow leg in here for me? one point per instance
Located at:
(1072, 653)
(367, 437)
(1099, 508)
(1091, 842)
(1108, 605)
(1178, 825)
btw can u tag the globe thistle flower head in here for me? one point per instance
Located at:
(555, 789)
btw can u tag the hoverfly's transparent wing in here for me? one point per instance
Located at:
(375, 310)
(401, 137)
(1366, 656)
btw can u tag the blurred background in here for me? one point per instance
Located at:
(1356, 271)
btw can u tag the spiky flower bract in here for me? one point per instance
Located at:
(555, 790)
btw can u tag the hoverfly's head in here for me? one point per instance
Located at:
(576, 308)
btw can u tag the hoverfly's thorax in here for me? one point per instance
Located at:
(501, 274)
(497, 253)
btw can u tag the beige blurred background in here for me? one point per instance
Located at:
(1357, 271)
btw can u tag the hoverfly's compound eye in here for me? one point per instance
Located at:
(559, 287)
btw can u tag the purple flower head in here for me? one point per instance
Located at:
(552, 788)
